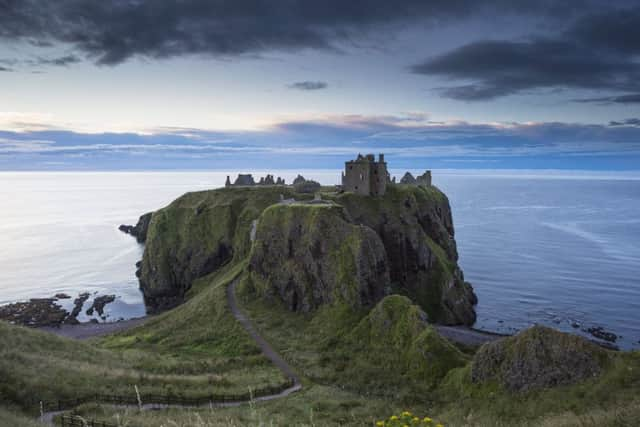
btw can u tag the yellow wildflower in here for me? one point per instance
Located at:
(404, 425)
(427, 420)
(406, 414)
(380, 423)
(393, 418)
(439, 425)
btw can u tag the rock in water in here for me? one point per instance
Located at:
(139, 231)
(536, 358)
(311, 255)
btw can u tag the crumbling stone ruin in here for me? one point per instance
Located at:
(423, 180)
(246, 180)
(302, 185)
(366, 176)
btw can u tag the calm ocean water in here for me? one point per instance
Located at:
(545, 248)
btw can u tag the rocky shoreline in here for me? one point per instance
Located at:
(48, 312)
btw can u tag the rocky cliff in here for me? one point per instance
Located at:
(309, 255)
(195, 235)
(357, 249)
(416, 228)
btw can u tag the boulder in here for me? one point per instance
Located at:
(536, 358)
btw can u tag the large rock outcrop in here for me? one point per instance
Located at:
(362, 248)
(309, 255)
(536, 358)
(416, 228)
(195, 235)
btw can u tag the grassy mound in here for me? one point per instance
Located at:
(538, 357)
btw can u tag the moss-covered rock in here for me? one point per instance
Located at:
(195, 235)
(538, 357)
(309, 255)
(416, 228)
(395, 336)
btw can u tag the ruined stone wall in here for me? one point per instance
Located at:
(357, 177)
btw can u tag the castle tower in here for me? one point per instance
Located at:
(366, 176)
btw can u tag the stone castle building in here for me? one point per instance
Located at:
(365, 175)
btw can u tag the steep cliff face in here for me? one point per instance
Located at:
(194, 236)
(357, 251)
(416, 228)
(311, 255)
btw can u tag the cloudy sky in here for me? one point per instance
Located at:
(206, 84)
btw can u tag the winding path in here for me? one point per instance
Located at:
(269, 352)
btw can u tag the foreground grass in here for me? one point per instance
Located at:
(15, 418)
(200, 348)
(193, 351)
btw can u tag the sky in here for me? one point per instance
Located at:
(217, 84)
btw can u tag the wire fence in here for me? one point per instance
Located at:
(150, 399)
(76, 421)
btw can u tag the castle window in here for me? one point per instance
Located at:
(361, 177)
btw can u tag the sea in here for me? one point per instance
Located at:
(539, 247)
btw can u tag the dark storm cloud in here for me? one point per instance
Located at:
(5, 69)
(308, 85)
(597, 52)
(627, 122)
(632, 98)
(110, 32)
(62, 61)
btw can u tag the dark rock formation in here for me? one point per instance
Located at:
(99, 303)
(36, 312)
(139, 231)
(536, 358)
(77, 308)
(311, 255)
(601, 333)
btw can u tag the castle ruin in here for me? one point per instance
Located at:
(366, 176)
